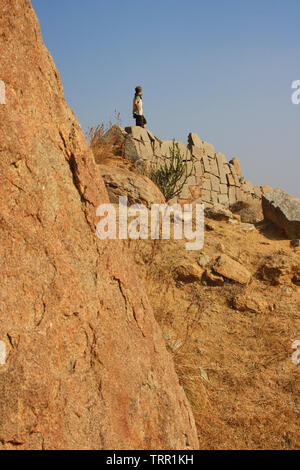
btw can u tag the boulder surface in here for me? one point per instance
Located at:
(86, 365)
(138, 188)
(283, 210)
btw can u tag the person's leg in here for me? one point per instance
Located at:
(144, 122)
(139, 121)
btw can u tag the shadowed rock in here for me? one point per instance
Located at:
(283, 210)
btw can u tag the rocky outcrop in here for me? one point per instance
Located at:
(138, 188)
(283, 210)
(213, 180)
(86, 364)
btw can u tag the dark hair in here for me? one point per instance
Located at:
(138, 89)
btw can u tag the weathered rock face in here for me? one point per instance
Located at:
(283, 210)
(86, 362)
(138, 188)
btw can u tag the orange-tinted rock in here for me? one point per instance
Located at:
(280, 268)
(195, 191)
(212, 279)
(236, 163)
(188, 272)
(265, 189)
(231, 269)
(248, 303)
(86, 364)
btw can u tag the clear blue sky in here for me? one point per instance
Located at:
(221, 68)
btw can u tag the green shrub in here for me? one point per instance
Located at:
(171, 176)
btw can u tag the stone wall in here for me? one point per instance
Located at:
(214, 179)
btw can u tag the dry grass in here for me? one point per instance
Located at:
(104, 148)
(235, 366)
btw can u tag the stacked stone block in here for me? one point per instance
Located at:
(219, 182)
(213, 181)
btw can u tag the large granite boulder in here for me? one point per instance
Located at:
(283, 210)
(138, 188)
(86, 365)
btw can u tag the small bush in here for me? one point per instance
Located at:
(173, 174)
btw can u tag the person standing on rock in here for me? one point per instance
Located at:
(138, 113)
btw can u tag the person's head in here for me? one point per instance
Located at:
(138, 90)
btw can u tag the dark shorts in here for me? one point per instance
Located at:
(140, 120)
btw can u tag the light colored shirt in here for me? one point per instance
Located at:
(139, 101)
